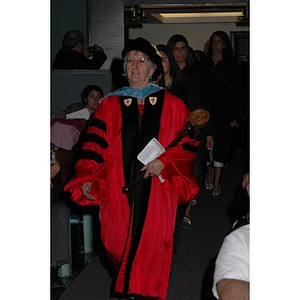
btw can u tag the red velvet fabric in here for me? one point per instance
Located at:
(152, 262)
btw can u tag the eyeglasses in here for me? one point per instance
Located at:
(140, 60)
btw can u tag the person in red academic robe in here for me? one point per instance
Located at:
(137, 229)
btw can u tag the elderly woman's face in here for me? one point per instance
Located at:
(138, 69)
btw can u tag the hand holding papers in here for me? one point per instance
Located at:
(198, 118)
(152, 150)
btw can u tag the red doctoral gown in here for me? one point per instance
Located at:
(137, 229)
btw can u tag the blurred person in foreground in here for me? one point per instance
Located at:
(232, 273)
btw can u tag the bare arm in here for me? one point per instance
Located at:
(54, 170)
(232, 289)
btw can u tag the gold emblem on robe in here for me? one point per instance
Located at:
(128, 101)
(153, 100)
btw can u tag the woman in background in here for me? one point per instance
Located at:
(176, 83)
(224, 93)
(189, 67)
(65, 131)
(173, 80)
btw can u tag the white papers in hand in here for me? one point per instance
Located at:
(80, 114)
(151, 151)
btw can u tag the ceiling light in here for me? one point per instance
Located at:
(198, 17)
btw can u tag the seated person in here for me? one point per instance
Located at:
(60, 214)
(60, 250)
(66, 129)
(75, 55)
(232, 275)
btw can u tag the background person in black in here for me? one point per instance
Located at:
(189, 67)
(224, 90)
(75, 55)
(176, 83)
(193, 72)
(173, 79)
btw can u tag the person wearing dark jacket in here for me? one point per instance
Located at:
(75, 55)
(224, 89)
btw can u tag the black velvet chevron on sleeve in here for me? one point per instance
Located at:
(92, 137)
(189, 147)
(89, 154)
(98, 123)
